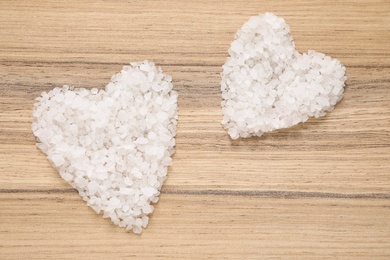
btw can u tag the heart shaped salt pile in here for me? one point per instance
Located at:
(267, 85)
(113, 146)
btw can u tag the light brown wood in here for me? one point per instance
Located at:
(318, 190)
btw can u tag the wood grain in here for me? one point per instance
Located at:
(317, 190)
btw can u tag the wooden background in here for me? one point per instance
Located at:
(320, 189)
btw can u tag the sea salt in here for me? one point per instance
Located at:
(97, 140)
(267, 85)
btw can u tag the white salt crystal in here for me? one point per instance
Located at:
(152, 135)
(136, 173)
(114, 202)
(143, 111)
(148, 191)
(94, 91)
(59, 97)
(253, 73)
(128, 182)
(152, 179)
(137, 230)
(145, 219)
(126, 191)
(57, 160)
(122, 115)
(151, 75)
(60, 118)
(138, 222)
(93, 187)
(145, 88)
(146, 67)
(167, 161)
(237, 47)
(142, 140)
(66, 176)
(73, 129)
(81, 182)
(157, 87)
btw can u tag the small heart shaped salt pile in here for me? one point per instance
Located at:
(267, 85)
(112, 145)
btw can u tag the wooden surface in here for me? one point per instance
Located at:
(318, 190)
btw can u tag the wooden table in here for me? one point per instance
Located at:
(320, 189)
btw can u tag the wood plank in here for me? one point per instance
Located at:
(316, 190)
(196, 226)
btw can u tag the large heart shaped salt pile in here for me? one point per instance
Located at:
(267, 85)
(113, 146)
